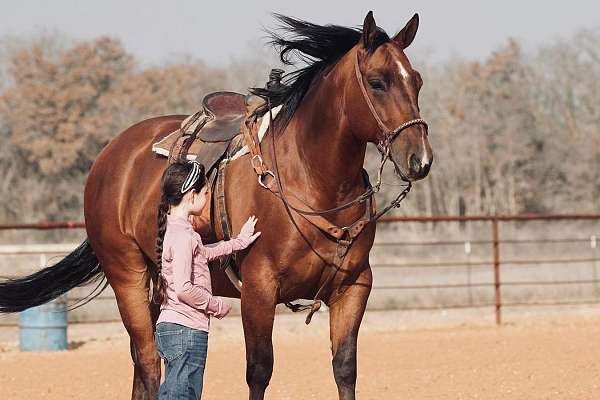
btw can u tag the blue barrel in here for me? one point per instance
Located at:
(44, 328)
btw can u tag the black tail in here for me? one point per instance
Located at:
(79, 268)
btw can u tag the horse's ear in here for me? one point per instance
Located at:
(369, 30)
(405, 37)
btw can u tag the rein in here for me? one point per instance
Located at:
(342, 244)
(360, 199)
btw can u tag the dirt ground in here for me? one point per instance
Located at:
(437, 355)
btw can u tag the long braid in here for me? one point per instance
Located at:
(178, 178)
(161, 284)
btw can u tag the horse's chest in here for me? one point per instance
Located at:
(312, 263)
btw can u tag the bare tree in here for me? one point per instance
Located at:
(513, 133)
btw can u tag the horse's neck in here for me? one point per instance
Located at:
(320, 147)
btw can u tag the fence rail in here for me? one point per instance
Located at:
(494, 262)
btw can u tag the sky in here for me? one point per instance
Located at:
(219, 31)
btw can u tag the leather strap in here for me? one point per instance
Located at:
(361, 84)
(387, 135)
(249, 129)
(319, 221)
(221, 210)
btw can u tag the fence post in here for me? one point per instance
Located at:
(496, 244)
(468, 253)
(593, 246)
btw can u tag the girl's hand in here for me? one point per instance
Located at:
(225, 308)
(247, 235)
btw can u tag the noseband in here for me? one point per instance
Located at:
(388, 135)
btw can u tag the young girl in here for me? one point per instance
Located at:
(183, 287)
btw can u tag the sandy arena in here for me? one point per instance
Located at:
(401, 356)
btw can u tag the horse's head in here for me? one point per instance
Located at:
(382, 103)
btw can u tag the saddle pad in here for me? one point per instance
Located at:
(163, 146)
(262, 129)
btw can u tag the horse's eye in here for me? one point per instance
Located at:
(377, 84)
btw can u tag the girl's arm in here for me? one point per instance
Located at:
(193, 295)
(222, 248)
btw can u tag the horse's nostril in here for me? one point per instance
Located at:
(414, 164)
(426, 168)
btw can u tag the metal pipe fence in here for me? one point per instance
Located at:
(494, 262)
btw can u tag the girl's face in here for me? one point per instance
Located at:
(198, 200)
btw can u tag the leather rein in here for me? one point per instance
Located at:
(344, 236)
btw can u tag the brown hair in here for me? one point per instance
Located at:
(171, 183)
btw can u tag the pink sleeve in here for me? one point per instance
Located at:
(222, 248)
(193, 295)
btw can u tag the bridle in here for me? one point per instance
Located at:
(387, 135)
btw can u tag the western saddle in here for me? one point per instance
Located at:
(210, 134)
(228, 110)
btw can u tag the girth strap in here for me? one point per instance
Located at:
(222, 217)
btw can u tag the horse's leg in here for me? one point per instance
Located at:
(138, 384)
(345, 316)
(129, 277)
(258, 314)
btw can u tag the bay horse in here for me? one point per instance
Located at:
(356, 84)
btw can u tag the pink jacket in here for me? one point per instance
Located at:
(189, 300)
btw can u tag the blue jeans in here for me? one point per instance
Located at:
(184, 351)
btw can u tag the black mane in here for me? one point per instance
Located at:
(319, 46)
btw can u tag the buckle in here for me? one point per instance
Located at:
(261, 163)
(345, 242)
(260, 178)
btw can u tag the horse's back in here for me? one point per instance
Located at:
(138, 138)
